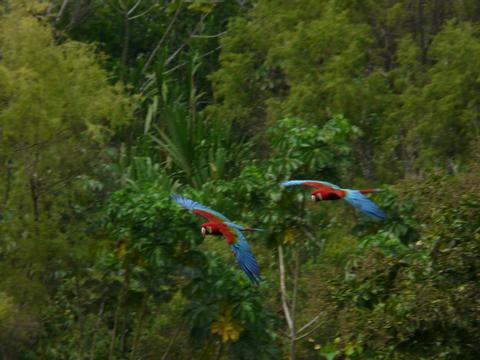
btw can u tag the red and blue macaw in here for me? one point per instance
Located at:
(218, 224)
(328, 191)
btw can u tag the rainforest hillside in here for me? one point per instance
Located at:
(107, 107)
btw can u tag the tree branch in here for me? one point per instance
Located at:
(309, 323)
(293, 330)
(307, 333)
(197, 27)
(172, 340)
(162, 39)
(185, 63)
(143, 13)
(209, 36)
(283, 289)
(132, 9)
(62, 9)
(296, 272)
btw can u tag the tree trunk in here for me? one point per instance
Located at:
(220, 351)
(34, 192)
(81, 320)
(293, 332)
(139, 330)
(126, 43)
(120, 306)
(114, 330)
(97, 326)
(8, 180)
(421, 31)
(288, 311)
(125, 313)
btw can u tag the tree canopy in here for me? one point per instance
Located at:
(107, 107)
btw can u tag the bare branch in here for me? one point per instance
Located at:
(308, 333)
(185, 63)
(194, 31)
(293, 308)
(162, 39)
(309, 323)
(143, 13)
(79, 14)
(209, 36)
(62, 9)
(172, 340)
(50, 8)
(132, 9)
(283, 288)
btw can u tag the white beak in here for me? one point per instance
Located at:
(314, 198)
(204, 231)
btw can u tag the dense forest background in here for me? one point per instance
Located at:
(107, 106)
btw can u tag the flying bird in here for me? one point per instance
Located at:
(218, 224)
(328, 191)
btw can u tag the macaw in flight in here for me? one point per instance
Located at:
(328, 191)
(218, 224)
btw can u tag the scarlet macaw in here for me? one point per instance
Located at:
(220, 225)
(328, 191)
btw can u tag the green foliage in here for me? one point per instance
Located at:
(222, 296)
(416, 301)
(229, 99)
(57, 108)
(301, 148)
(333, 58)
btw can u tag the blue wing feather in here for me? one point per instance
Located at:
(302, 182)
(243, 254)
(364, 204)
(193, 205)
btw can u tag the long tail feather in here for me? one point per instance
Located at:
(369, 191)
(249, 229)
(364, 204)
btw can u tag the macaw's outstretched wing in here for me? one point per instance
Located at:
(199, 209)
(242, 251)
(313, 183)
(364, 204)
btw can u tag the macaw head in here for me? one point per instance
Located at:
(317, 196)
(206, 230)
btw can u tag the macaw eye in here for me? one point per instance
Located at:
(209, 229)
(204, 231)
(319, 196)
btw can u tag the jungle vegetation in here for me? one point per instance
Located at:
(107, 106)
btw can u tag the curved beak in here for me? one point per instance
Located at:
(204, 231)
(314, 198)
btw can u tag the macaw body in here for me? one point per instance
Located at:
(219, 225)
(216, 228)
(327, 195)
(328, 191)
